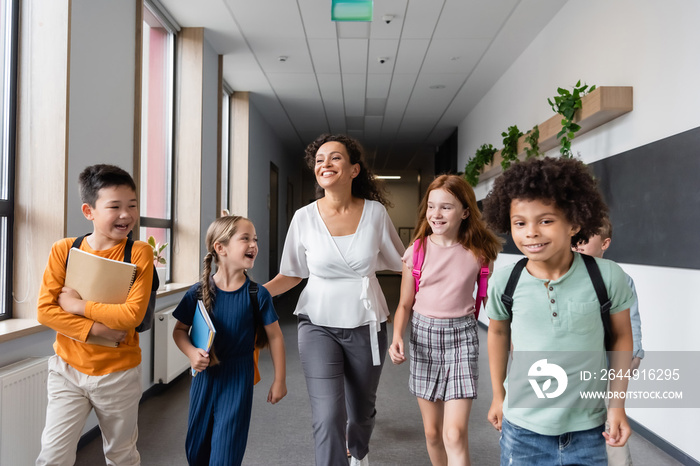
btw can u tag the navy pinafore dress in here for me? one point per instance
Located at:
(221, 397)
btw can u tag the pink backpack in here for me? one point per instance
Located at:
(419, 257)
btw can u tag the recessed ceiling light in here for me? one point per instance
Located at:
(437, 86)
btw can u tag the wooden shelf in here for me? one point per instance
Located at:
(602, 105)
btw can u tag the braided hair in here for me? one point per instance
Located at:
(220, 231)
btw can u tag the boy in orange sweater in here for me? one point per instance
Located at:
(83, 376)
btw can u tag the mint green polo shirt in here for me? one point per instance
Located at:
(558, 316)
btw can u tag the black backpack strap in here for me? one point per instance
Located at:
(260, 334)
(76, 244)
(601, 292)
(253, 292)
(127, 249)
(507, 296)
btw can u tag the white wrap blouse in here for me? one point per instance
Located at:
(343, 290)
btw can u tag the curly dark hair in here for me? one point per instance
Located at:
(565, 182)
(364, 185)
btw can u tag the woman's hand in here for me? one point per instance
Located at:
(281, 284)
(396, 352)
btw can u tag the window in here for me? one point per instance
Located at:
(225, 149)
(8, 86)
(156, 174)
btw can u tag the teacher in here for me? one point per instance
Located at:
(339, 242)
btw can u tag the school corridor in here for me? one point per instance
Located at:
(282, 435)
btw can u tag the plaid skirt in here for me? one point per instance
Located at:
(444, 358)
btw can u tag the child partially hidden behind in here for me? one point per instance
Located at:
(547, 206)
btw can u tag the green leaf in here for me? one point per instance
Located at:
(152, 241)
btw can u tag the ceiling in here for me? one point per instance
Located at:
(308, 75)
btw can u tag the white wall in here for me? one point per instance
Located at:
(210, 110)
(652, 47)
(102, 58)
(265, 147)
(404, 194)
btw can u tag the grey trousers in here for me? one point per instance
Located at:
(342, 385)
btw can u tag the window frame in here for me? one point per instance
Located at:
(167, 224)
(226, 143)
(9, 131)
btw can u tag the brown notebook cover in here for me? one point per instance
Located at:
(101, 280)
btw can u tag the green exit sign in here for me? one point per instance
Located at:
(351, 10)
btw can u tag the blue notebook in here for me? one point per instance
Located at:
(202, 332)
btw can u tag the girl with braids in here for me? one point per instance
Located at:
(339, 242)
(221, 396)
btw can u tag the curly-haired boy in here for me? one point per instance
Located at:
(547, 206)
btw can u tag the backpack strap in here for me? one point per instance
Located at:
(601, 292)
(253, 293)
(127, 248)
(507, 296)
(418, 258)
(482, 288)
(260, 334)
(76, 244)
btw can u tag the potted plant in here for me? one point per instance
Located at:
(566, 103)
(158, 259)
(482, 157)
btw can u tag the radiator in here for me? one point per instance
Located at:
(23, 400)
(168, 360)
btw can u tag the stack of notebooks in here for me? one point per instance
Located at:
(101, 280)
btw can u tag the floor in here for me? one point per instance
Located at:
(281, 434)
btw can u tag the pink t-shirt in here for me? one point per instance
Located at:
(447, 281)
